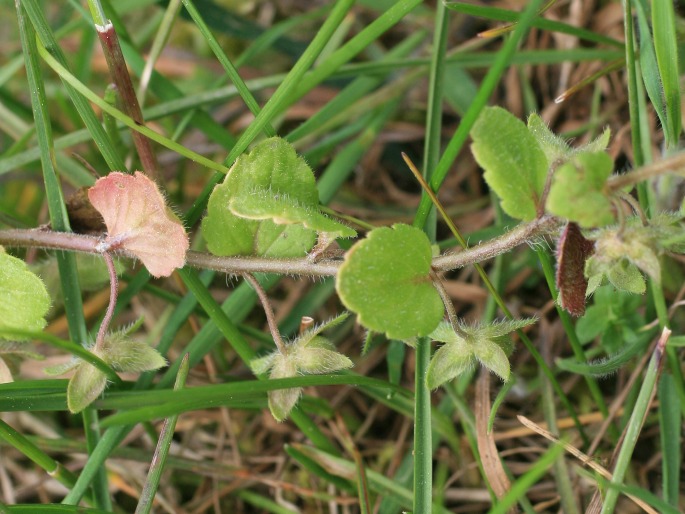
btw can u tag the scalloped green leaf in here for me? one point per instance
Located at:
(273, 165)
(515, 165)
(262, 204)
(583, 177)
(24, 300)
(386, 281)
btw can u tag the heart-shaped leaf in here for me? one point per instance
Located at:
(386, 280)
(139, 221)
(24, 301)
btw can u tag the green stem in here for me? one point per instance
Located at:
(644, 399)
(162, 450)
(484, 93)
(423, 458)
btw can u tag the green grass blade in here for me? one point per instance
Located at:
(494, 13)
(154, 476)
(649, 66)
(666, 49)
(487, 87)
(151, 134)
(98, 134)
(635, 423)
(670, 426)
(523, 484)
(230, 70)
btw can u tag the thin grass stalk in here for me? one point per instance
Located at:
(38, 456)
(154, 476)
(228, 66)
(637, 418)
(484, 92)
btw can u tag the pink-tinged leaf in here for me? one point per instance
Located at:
(139, 221)
(572, 252)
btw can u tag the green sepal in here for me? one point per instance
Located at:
(84, 387)
(282, 401)
(448, 362)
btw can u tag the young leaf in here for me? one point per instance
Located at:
(273, 169)
(556, 148)
(515, 165)
(578, 190)
(262, 204)
(24, 301)
(385, 279)
(139, 221)
(572, 252)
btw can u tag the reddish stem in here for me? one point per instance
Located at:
(113, 292)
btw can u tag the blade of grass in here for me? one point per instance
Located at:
(670, 426)
(37, 456)
(502, 60)
(59, 220)
(666, 49)
(226, 63)
(98, 134)
(154, 476)
(637, 418)
(129, 122)
(494, 13)
(529, 478)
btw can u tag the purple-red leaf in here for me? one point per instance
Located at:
(139, 221)
(572, 252)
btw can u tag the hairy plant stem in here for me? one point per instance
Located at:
(270, 318)
(674, 164)
(449, 306)
(113, 292)
(524, 233)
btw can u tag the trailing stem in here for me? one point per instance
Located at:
(113, 292)
(268, 311)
